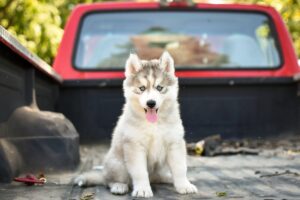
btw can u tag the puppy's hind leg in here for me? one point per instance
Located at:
(90, 178)
(118, 177)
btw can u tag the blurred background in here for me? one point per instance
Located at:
(39, 24)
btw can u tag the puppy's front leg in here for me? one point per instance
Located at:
(177, 162)
(136, 163)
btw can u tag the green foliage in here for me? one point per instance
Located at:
(35, 23)
(38, 24)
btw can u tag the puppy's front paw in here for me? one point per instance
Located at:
(80, 181)
(186, 188)
(118, 188)
(141, 191)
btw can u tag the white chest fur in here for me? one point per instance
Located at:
(156, 146)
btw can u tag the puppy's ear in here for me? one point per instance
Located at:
(167, 63)
(133, 65)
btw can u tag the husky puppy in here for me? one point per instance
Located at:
(147, 144)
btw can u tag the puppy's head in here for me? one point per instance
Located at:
(150, 84)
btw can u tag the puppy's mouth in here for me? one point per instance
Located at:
(151, 114)
(146, 110)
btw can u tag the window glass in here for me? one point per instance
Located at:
(196, 40)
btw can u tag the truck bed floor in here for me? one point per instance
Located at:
(267, 176)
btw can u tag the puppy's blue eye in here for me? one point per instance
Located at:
(142, 88)
(159, 88)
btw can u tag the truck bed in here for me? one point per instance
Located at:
(273, 174)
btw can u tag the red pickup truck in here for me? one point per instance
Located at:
(238, 76)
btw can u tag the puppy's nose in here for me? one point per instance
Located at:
(151, 103)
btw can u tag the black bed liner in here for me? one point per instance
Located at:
(33, 137)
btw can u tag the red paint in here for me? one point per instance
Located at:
(63, 61)
(29, 179)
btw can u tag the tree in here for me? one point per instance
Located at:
(38, 24)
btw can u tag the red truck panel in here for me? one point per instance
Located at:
(63, 61)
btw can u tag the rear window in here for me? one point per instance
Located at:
(196, 40)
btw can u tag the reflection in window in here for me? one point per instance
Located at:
(194, 39)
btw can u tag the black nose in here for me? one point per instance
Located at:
(151, 103)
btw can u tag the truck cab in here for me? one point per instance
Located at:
(235, 63)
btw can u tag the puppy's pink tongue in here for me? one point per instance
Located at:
(151, 115)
